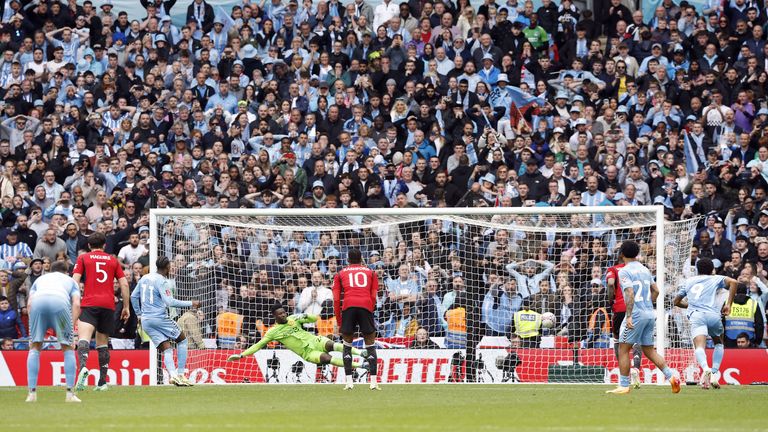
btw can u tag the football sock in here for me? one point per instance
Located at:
(83, 347)
(701, 358)
(624, 381)
(372, 361)
(70, 368)
(347, 359)
(667, 372)
(168, 361)
(339, 347)
(181, 353)
(717, 357)
(103, 352)
(33, 368)
(340, 363)
(636, 356)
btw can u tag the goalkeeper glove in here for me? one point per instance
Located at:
(234, 357)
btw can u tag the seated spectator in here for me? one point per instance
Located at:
(422, 340)
(742, 341)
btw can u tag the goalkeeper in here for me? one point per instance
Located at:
(289, 332)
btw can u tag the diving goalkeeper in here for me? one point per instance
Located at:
(289, 332)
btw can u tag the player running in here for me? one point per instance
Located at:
(640, 320)
(54, 302)
(289, 332)
(355, 289)
(700, 295)
(98, 270)
(619, 310)
(151, 299)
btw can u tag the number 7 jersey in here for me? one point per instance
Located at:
(637, 276)
(355, 286)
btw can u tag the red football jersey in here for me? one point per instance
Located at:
(354, 286)
(99, 271)
(618, 298)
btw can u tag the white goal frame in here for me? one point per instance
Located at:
(656, 211)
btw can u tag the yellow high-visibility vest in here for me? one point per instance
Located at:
(527, 323)
(741, 320)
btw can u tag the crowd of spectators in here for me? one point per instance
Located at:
(424, 103)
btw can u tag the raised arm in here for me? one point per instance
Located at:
(548, 266)
(53, 33)
(306, 318)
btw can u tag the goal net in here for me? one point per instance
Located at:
(466, 295)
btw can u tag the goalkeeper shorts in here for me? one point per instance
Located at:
(316, 348)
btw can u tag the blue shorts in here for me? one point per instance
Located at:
(51, 313)
(641, 332)
(705, 324)
(160, 330)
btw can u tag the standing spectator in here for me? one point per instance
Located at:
(50, 246)
(131, 252)
(190, 323)
(13, 250)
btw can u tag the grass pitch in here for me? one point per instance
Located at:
(316, 408)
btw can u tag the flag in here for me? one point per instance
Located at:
(225, 18)
(514, 116)
(521, 98)
(691, 163)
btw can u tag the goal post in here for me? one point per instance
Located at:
(455, 275)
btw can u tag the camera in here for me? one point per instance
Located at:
(507, 365)
(273, 363)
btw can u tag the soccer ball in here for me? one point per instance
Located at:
(548, 320)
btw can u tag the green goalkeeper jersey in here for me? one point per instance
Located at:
(291, 334)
